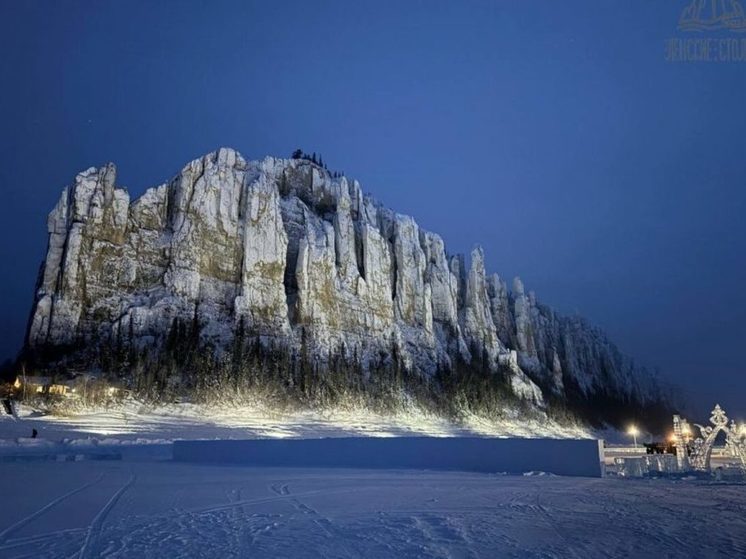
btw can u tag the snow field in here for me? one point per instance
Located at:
(166, 509)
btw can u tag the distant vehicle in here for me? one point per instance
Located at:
(660, 448)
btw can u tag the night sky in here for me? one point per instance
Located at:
(554, 134)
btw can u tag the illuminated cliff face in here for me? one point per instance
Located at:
(295, 255)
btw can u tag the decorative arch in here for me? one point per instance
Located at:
(735, 440)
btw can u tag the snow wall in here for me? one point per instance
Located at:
(568, 457)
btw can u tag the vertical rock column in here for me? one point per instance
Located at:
(262, 298)
(91, 210)
(522, 312)
(479, 327)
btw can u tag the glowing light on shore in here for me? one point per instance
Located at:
(633, 431)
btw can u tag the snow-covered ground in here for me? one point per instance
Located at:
(134, 420)
(142, 504)
(164, 509)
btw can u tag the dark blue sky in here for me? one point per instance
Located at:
(552, 133)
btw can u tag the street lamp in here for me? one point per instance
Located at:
(634, 432)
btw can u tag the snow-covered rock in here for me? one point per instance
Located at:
(290, 252)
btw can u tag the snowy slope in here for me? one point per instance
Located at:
(133, 421)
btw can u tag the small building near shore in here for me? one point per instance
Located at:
(42, 385)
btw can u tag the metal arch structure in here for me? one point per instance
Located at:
(735, 440)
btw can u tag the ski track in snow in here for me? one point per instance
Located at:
(322, 524)
(89, 545)
(51, 504)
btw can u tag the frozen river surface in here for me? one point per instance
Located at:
(157, 508)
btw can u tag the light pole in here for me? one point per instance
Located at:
(23, 370)
(634, 432)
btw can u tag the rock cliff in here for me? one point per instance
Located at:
(289, 252)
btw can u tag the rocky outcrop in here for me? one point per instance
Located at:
(291, 253)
